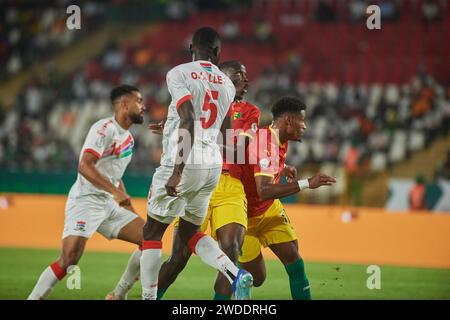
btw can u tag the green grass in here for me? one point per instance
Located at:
(20, 268)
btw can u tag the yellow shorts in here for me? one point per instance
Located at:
(228, 204)
(272, 227)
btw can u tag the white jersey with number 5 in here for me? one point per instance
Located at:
(211, 93)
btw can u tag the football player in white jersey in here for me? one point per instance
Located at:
(191, 165)
(98, 200)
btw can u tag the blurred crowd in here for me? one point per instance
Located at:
(31, 31)
(355, 124)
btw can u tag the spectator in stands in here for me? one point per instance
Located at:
(444, 170)
(230, 30)
(354, 183)
(262, 30)
(325, 12)
(357, 10)
(422, 103)
(177, 10)
(430, 12)
(433, 192)
(389, 10)
(417, 194)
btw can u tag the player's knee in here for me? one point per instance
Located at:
(231, 249)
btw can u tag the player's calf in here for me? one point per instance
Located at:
(71, 253)
(257, 268)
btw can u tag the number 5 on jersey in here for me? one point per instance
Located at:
(209, 105)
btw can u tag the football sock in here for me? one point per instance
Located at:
(300, 289)
(130, 275)
(47, 281)
(151, 259)
(218, 296)
(160, 293)
(208, 250)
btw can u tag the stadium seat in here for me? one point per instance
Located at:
(416, 140)
(378, 161)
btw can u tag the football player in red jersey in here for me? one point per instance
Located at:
(268, 224)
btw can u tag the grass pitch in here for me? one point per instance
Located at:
(20, 269)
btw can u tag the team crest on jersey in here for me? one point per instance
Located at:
(236, 115)
(206, 66)
(81, 226)
(264, 163)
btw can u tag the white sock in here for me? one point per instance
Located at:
(130, 275)
(208, 250)
(151, 259)
(47, 281)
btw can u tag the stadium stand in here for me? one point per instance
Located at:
(386, 91)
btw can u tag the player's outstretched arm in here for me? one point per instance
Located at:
(320, 179)
(185, 142)
(290, 172)
(88, 170)
(157, 128)
(268, 190)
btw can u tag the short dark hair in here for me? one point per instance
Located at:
(287, 104)
(230, 65)
(206, 38)
(120, 91)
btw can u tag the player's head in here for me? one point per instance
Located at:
(206, 45)
(237, 72)
(128, 101)
(290, 114)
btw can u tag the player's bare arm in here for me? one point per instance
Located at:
(88, 170)
(268, 190)
(290, 172)
(129, 206)
(185, 142)
(157, 128)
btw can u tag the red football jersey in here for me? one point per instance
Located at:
(245, 122)
(266, 156)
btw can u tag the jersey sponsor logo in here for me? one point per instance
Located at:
(81, 226)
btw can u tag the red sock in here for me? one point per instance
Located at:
(58, 271)
(193, 241)
(150, 244)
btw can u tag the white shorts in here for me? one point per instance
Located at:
(195, 190)
(87, 214)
